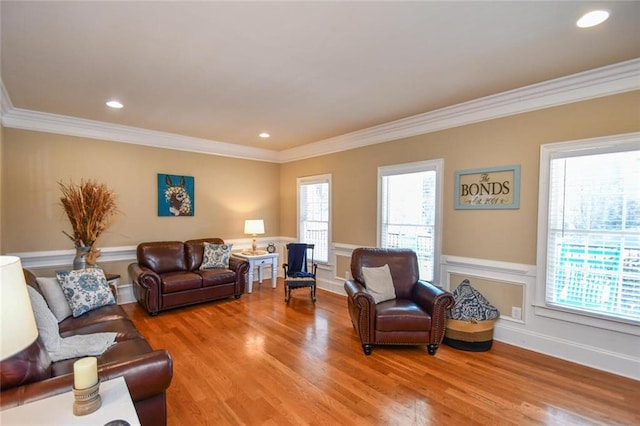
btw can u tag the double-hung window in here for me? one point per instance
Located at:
(410, 211)
(589, 228)
(314, 214)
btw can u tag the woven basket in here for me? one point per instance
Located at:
(469, 336)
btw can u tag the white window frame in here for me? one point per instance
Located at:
(548, 152)
(310, 180)
(436, 165)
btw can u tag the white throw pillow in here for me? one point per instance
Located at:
(54, 296)
(379, 283)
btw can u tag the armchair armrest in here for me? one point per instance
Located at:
(436, 302)
(362, 309)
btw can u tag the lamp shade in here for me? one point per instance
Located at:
(17, 323)
(254, 226)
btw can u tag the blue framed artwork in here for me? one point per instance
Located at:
(488, 188)
(176, 195)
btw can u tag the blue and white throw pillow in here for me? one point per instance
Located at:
(471, 305)
(216, 256)
(85, 289)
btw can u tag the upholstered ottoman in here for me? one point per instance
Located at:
(470, 322)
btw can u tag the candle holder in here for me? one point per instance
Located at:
(86, 400)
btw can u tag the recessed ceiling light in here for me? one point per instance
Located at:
(114, 104)
(593, 18)
(264, 135)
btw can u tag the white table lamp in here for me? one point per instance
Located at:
(254, 227)
(18, 327)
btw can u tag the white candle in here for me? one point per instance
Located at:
(85, 372)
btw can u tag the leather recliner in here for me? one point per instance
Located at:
(415, 317)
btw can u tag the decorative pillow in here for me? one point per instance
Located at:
(379, 283)
(54, 296)
(471, 305)
(85, 289)
(45, 320)
(216, 256)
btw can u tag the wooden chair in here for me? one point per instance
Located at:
(296, 270)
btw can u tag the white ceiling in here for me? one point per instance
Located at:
(302, 71)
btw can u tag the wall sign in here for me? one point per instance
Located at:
(488, 188)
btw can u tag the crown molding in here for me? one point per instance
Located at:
(599, 82)
(24, 119)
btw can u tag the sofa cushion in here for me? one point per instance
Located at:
(162, 256)
(180, 281)
(85, 289)
(401, 315)
(53, 294)
(212, 277)
(216, 256)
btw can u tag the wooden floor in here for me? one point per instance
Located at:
(257, 361)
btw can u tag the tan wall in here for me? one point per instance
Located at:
(227, 191)
(504, 235)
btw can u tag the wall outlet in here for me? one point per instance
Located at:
(347, 275)
(516, 313)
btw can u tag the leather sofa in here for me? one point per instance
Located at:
(30, 375)
(167, 275)
(415, 317)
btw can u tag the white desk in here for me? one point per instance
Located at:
(260, 260)
(58, 410)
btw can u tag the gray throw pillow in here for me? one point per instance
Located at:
(54, 296)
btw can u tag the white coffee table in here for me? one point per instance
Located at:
(260, 260)
(58, 409)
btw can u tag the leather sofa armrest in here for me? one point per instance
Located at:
(237, 263)
(362, 309)
(147, 287)
(146, 375)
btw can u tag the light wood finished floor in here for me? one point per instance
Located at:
(257, 361)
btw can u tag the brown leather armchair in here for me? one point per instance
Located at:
(415, 317)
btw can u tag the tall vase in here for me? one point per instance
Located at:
(80, 261)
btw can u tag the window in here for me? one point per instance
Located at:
(590, 221)
(409, 211)
(314, 214)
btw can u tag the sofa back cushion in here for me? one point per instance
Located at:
(194, 250)
(162, 256)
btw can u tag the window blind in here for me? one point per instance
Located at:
(314, 214)
(593, 236)
(408, 215)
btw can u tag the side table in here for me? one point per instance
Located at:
(260, 260)
(58, 409)
(113, 280)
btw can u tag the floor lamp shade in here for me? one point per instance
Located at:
(18, 327)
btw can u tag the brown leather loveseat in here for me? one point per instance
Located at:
(30, 375)
(167, 275)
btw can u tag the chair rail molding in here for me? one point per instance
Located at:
(607, 350)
